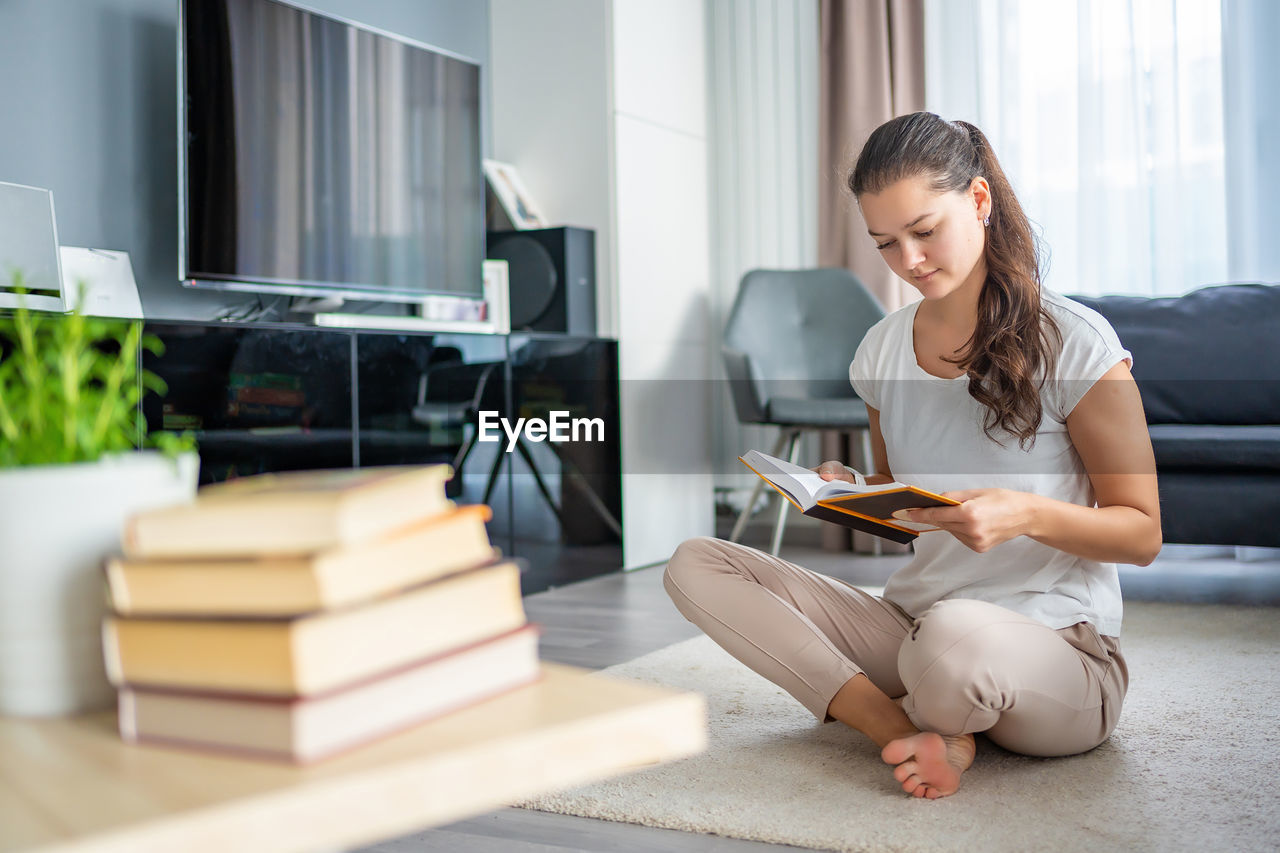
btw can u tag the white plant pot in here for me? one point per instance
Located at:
(58, 523)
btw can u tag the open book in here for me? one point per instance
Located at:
(855, 505)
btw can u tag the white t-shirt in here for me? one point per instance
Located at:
(933, 433)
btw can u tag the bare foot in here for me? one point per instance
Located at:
(928, 764)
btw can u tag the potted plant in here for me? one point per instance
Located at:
(69, 475)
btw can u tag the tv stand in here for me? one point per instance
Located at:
(289, 396)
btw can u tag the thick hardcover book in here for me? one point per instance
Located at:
(305, 730)
(296, 512)
(855, 505)
(287, 585)
(312, 654)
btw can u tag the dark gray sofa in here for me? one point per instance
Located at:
(1208, 366)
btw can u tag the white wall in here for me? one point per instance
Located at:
(664, 277)
(549, 85)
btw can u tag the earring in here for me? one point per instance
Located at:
(986, 223)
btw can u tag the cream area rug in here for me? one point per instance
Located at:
(1193, 765)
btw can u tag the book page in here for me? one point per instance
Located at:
(808, 480)
(813, 483)
(838, 488)
(779, 473)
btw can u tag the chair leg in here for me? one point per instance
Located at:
(498, 459)
(460, 458)
(745, 515)
(781, 524)
(537, 479)
(533, 469)
(570, 471)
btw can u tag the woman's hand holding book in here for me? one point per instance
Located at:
(833, 470)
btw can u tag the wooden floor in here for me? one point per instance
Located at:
(611, 619)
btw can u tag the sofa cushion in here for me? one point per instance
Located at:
(1211, 356)
(1206, 508)
(1216, 448)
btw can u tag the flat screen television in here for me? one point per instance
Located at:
(323, 158)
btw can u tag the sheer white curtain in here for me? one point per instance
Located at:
(763, 105)
(1107, 116)
(1250, 72)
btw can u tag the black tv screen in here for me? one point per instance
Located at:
(323, 157)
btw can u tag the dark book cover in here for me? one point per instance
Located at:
(866, 525)
(885, 504)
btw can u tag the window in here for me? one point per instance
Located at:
(1107, 117)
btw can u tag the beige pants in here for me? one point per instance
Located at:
(962, 666)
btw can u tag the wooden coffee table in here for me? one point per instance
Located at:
(72, 785)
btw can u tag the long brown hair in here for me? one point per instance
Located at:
(1012, 349)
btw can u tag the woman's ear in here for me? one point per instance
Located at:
(980, 193)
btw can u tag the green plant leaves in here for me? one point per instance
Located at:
(70, 387)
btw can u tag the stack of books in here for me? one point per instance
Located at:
(298, 615)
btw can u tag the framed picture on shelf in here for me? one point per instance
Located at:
(512, 195)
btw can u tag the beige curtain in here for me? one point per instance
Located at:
(872, 69)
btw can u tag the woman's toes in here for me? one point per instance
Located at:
(896, 751)
(904, 770)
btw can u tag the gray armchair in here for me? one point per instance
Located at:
(790, 337)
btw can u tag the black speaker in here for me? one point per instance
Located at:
(552, 272)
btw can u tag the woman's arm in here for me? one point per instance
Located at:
(1109, 432)
(879, 456)
(835, 470)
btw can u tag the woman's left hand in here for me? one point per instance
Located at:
(984, 519)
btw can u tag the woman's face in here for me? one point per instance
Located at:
(933, 241)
